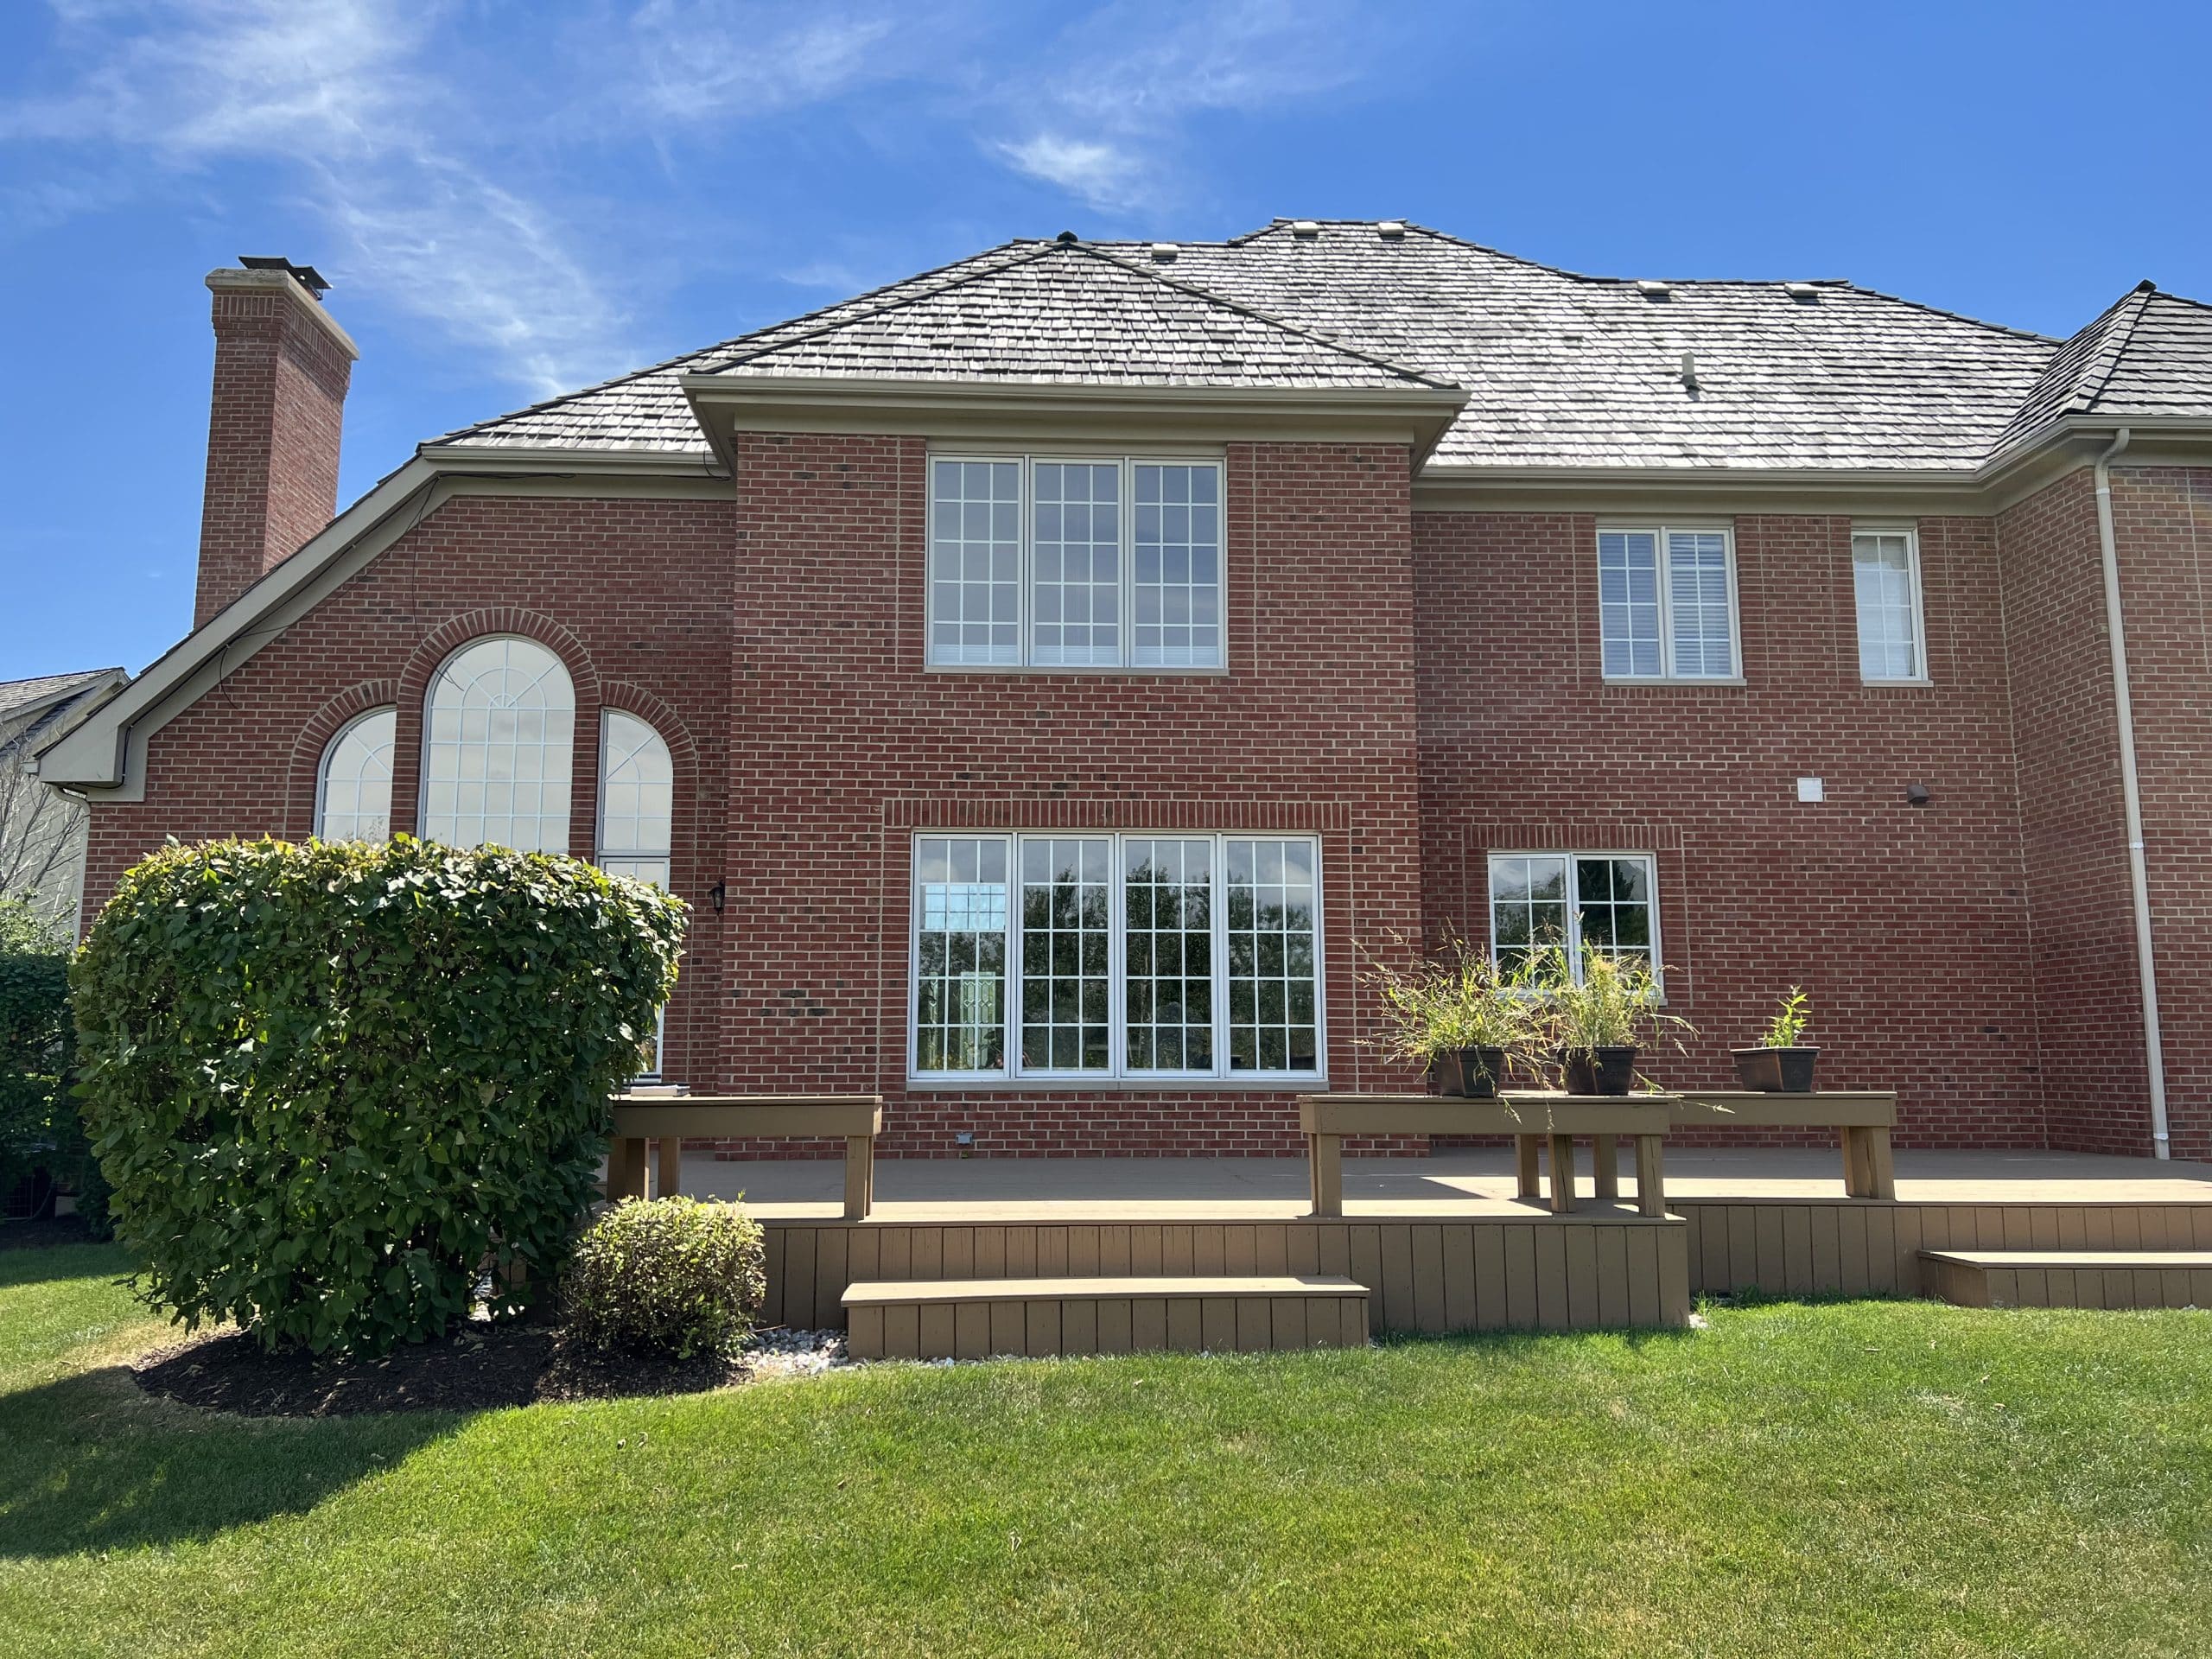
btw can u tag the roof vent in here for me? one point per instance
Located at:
(1164, 252)
(1391, 230)
(1067, 238)
(307, 276)
(1803, 293)
(1689, 370)
(1305, 229)
(1652, 290)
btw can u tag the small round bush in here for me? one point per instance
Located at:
(672, 1276)
(332, 1085)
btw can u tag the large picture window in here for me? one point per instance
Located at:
(1103, 956)
(1579, 901)
(1038, 562)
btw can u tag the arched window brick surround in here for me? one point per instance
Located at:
(414, 691)
(302, 772)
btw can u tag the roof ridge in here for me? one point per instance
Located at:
(1373, 358)
(545, 404)
(896, 304)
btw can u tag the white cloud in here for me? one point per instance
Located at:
(1105, 175)
(709, 60)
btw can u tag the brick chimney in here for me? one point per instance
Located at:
(281, 370)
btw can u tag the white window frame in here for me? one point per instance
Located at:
(1023, 607)
(1117, 1076)
(1668, 674)
(1911, 534)
(1574, 940)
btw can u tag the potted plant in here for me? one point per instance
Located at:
(1599, 1024)
(1458, 1015)
(1782, 1063)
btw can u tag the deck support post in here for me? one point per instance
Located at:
(672, 1167)
(1562, 1160)
(1604, 1165)
(1651, 1175)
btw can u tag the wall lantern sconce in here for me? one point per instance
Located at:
(1917, 795)
(716, 895)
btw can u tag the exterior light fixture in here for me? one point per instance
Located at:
(716, 895)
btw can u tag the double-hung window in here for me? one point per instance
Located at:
(1885, 581)
(1099, 957)
(1044, 562)
(1579, 901)
(1667, 602)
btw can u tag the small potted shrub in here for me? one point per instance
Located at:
(1599, 1024)
(1782, 1063)
(1459, 1017)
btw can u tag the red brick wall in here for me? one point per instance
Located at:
(273, 426)
(635, 595)
(2163, 530)
(850, 745)
(1907, 925)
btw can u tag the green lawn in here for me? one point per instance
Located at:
(1853, 1478)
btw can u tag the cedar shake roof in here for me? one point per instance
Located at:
(1561, 370)
(39, 708)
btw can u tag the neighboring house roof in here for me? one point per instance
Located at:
(1560, 368)
(43, 708)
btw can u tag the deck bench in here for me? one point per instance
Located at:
(671, 1120)
(1861, 1117)
(1533, 1120)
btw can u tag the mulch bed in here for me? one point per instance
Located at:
(480, 1369)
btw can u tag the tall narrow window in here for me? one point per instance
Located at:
(1885, 578)
(1667, 603)
(1272, 1023)
(1168, 887)
(1066, 939)
(637, 819)
(353, 790)
(1178, 566)
(496, 762)
(960, 956)
(1076, 592)
(976, 561)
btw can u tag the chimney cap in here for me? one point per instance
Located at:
(307, 276)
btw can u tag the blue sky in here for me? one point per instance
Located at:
(515, 197)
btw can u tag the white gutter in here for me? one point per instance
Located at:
(2139, 874)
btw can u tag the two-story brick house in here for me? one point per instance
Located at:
(1046, 676)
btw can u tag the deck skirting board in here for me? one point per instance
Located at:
(1798, 1247)
(1492, 1274)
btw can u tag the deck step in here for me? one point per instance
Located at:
(2069, 1278)
(975, 1319)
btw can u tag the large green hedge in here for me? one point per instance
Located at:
(333, 1084)
(38, 1121)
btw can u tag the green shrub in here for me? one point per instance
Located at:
(39, 1126)
(333, 1084)
(671, 1276)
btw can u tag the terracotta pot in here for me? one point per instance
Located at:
(1607, 1070)
(1776, 1071)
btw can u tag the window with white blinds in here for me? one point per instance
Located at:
(1667, 603)
(1886, 580)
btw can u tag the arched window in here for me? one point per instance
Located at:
(636, 799)
(496, 747)
(353, 797)
(636, 811)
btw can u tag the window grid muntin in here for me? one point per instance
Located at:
(1168, 955)
(1569, 865)
(525, 723)
(1711, 595)
(1083, 931)
(1075, 559)
(1900, 652)
(357, 763)
(942, 655)
(1175, 567)
(1120, 1075)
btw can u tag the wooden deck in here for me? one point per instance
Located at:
(1446, 1243)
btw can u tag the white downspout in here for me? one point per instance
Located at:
(2139, 874)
